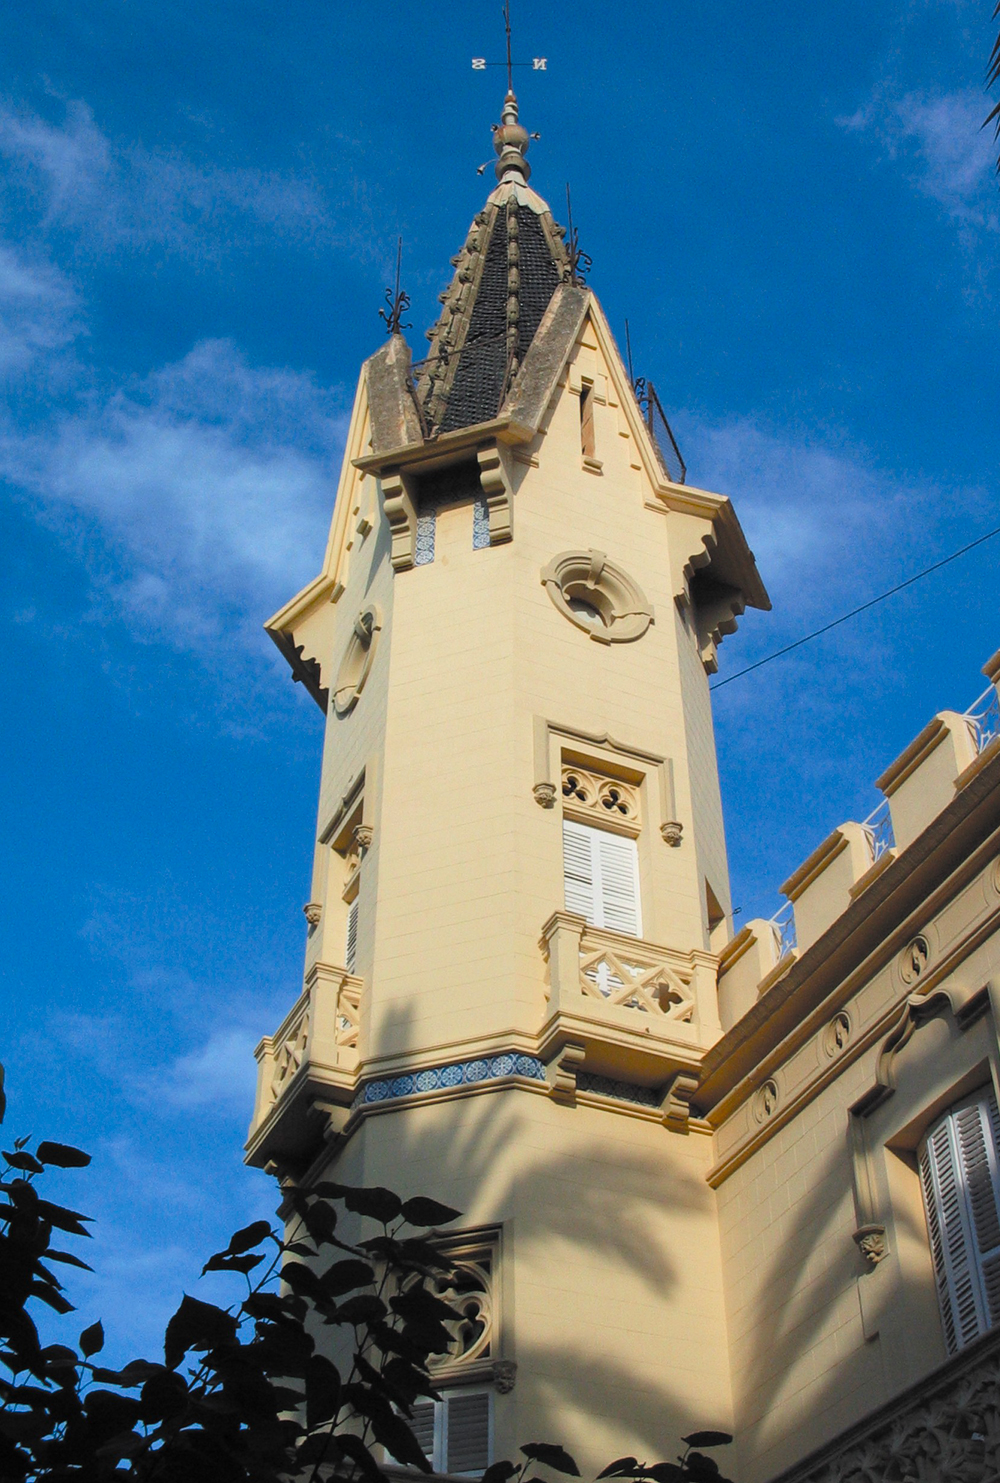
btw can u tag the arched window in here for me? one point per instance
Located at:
(960, 1178)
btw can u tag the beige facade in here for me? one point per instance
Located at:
(685, 1164)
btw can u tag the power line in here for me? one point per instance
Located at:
(855, 611)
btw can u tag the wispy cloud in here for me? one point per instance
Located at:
(38, 313)
(128, 196)
(209, 483)
(218, 1073)
(939, 140)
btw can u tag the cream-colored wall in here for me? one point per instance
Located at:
(465, 867)
(817, 1340)
(612, 1304)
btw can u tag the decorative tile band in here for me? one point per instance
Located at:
(461, 1073)
(624, 1091)
(480, 523)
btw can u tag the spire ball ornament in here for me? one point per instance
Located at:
(510, 140)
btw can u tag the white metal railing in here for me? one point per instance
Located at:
(878, 826)
(983, 717)
(783, 923)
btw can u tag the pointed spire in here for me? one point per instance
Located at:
(510, 141)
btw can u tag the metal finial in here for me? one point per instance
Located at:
(396, 304)
(510, 141)
(579, 262)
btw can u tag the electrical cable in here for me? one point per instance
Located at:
(855, 611)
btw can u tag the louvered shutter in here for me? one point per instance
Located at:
(467, 1431)
(578, 869)
(618, 890)
(959, 1176)
(422, 1426)
(351, 946)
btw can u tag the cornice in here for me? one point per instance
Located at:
(873, 928)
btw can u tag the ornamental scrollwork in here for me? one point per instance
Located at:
(598, 797)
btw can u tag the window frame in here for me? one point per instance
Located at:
(600, 841)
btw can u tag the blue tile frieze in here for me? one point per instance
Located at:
(460, 1073)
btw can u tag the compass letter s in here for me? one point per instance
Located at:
(479, 64)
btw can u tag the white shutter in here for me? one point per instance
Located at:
(601, 878)
(351, 946)
(618, 894)
(467, 1426)
(578, 869)
(959, 1176)
(422, 1426)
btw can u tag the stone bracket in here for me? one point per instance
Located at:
(561, 1073)
(497, 486)
(401, 512)
(677, 1101)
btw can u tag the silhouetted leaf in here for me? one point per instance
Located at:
(68, 1258)
(163, 1396)
(223, 1263)
(20, 1159)
(707, 1439)
(499, 1472)
(420, 1211)
(62, 1155)
(364, 1307)
(197, 1326)
(666, 1472)
(704, 1469)
(552, 1457)
(346, 1276)
(622, 1467)
(322, 1391)
(92, 1340)
(378, 1203)
(304, 1281)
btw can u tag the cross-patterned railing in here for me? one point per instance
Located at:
(879, 828)
(983, 717)
(783, 924)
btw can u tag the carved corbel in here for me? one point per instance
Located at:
(401, 514)
(504, 1375)
(677, 1101)
(561, 1073)
(495, 478)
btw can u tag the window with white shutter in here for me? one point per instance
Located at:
(960, 1178)
(601, 877)
(351, 945)
(456, 1432)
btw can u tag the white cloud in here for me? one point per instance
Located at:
(219, 1072)
(130, 196)
(940, 140)
(210, 483)
(38, 312)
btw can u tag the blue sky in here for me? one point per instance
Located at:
(794, 208)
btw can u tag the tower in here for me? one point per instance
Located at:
(520, 886)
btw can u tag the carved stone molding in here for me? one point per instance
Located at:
(944, 1429)
(598, 798)
(677, 1102)
(357, 661)
(562, 1072)
(494, 476)
(836, 1035)
(544, 794)
(401, 514)
(504, 1375)
(362, 835)
(313, 911)
(913, 960)
(765, 1102)
(871, 1242)
(671, 831)
(598, 596)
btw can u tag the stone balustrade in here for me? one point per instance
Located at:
(944, 1429)
(312, 1055)
(616, 987)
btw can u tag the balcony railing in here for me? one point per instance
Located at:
(944, 1429)
(983, 717)
(608, 978)
(880, 832)
(314, 1051)
(783, 924)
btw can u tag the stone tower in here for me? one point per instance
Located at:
(520, 886)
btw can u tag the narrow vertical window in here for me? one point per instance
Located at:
(960, 1179)
(587, 419)
(601, 878)
(351, 944)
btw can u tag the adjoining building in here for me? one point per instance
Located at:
(747, 1181)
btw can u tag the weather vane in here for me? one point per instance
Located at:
(396, 305)
(537, 64)
(579, 262)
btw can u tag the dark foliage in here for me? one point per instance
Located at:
(992, 78)
(245, 1394)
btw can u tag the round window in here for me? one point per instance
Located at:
(357, 660)
(597, 596)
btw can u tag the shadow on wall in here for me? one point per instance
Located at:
(596, 1225)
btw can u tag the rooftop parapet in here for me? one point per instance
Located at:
(949, 751)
